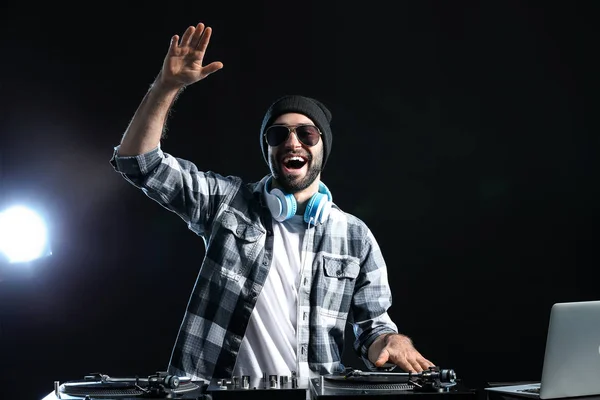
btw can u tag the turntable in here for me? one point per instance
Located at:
(434, 383)
(158, 386)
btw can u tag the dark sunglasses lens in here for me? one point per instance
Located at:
(277, 135)
(309, 135)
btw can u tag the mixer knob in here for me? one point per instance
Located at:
(246, 381)
(283, 381)
(273, 381)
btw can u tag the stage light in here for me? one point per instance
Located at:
(23, 235)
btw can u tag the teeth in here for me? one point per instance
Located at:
(294, 159)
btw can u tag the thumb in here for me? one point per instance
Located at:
(212, 68)
(383, 357)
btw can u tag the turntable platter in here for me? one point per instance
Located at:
(365, 377)
(102, 386)
(118, 388)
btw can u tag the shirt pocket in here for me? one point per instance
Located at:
(238, 243)
(337, 285)
(240, 227)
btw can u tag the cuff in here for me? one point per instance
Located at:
(139, 165)
(364, 351)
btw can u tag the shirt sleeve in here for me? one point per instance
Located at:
(372, 298)
(177, 185)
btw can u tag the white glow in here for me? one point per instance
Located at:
(23, 234)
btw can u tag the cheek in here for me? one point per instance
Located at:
(318, 155)
(272, 157)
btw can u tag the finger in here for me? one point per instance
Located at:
(407, 364)
(212, 67)
(187, 35)
(205, 39)
(420, 363)
(174, 43)
(384, 356)
(415, 366)
(195, 39)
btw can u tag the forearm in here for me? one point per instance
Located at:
(146, 128)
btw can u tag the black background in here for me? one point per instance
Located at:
(465, 136)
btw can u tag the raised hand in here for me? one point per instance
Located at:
(183, 63)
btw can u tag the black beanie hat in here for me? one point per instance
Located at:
(313, 109)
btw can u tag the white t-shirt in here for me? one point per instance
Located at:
(269, 345)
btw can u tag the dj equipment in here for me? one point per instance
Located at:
(283, 206)
(158, 386)
(432, 383)
(266, 387)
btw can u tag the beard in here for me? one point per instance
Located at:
(291, 183)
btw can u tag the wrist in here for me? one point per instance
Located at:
(384, 339)
(166, 86)
(376, 346)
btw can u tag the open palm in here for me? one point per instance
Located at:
(183, 63)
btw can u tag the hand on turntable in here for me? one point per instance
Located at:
(399, 350)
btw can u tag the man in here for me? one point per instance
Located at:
(284, 266)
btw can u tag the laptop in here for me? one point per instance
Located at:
(571, 365)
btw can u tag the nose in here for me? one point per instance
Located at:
(292, 140)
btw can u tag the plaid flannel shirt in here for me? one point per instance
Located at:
(348, 278)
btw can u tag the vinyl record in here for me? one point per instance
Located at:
(98, 385)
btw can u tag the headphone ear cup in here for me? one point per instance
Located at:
(325, 190)
(317, 208)
(325, 210)
(282, 206)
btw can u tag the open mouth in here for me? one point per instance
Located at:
(293, 162)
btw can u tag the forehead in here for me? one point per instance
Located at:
(293, 119)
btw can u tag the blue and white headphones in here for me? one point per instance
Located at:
(283, 206)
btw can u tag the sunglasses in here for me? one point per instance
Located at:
(307, 134)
